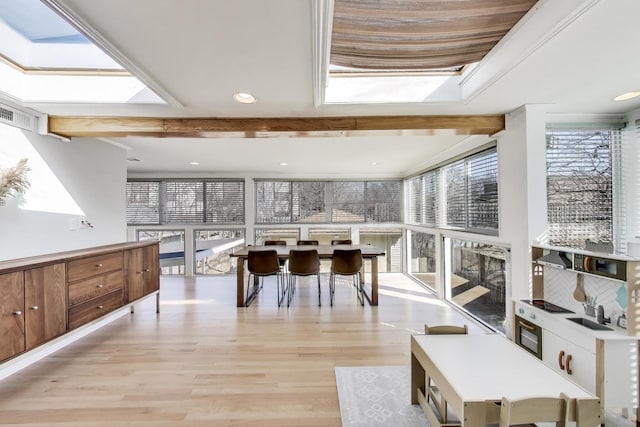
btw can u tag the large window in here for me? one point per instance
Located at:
(477, 276)
(422, 265)
(328, 202)
(461, 195)
(580, 186)
(185, 202)
(212, 250)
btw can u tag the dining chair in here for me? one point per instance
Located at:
(534, 410)
(307, 243)
(275, 243)
(261, 264)
(283, 262)
(303, 262)
(433, 393)
(341, 242)
(346, 262)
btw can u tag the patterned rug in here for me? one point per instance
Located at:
(377, 396)
(380, 396)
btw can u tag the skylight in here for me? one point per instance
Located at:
(45, 59)
(386, 51)
(361, 86)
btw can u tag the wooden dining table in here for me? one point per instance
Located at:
(474, 372)
(369, 252)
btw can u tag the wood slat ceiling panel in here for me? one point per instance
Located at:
(419, 34)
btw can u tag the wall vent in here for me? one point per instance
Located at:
(17, 118)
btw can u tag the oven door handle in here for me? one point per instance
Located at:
(527, 327)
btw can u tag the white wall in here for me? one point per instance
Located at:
(631, 160)
(73, 181)
(523, 213)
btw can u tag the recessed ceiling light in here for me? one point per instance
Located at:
(284, 164)
(627, 95)
(194, 163)
(244, 98)
(374, 163)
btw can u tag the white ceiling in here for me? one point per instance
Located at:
(573, 55)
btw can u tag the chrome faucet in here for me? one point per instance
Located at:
(600, 316)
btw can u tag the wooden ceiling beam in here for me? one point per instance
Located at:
(69, 127)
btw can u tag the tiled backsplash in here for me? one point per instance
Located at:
(559, 286)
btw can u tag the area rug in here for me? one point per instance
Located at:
(377, 396)
(380, 396)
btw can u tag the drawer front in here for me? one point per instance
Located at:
(92, 266)
(94, 287)
(91, 310)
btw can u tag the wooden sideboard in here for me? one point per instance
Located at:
(47, 296)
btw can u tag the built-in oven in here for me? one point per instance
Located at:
(528, 336)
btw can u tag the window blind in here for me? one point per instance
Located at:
(430, 184)
(185, 202)
(348, 202)
(455, 191)
(224, 202)
(415, 200)
(580, 185)
(143, 198)
(383, 201)
(462, 194)
(307, 202)
(273, 204)
(482, 191)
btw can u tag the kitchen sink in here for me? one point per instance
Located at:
(589, 324)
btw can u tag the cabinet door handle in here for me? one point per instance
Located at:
(569, 371)
(35, 307)
(99, 265)
(99, 286)
(561, 360)
(17, 312)
(146, 270)
(100, 307)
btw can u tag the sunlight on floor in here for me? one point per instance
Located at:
(417, 298)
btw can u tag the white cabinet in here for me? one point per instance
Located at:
(572, 360)
(602, 362)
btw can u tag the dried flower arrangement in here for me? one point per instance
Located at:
(13, 180)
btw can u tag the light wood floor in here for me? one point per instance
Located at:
(204, 362)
